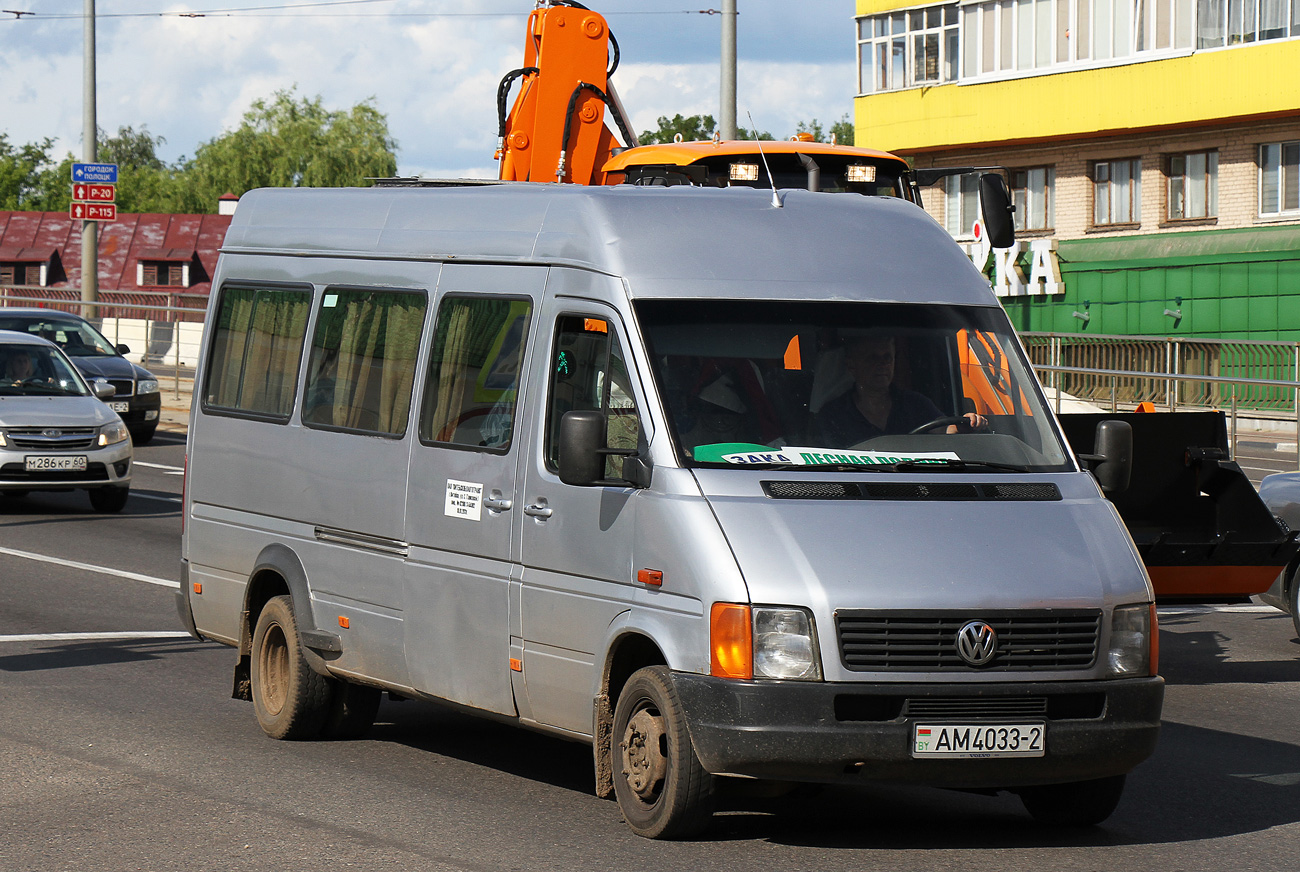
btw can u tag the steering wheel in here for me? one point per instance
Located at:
(938, 422)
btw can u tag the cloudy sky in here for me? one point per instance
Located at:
(432, 66)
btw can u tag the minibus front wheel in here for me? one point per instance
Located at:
(662, 790)
(290, 700)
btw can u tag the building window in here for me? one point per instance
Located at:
(21, 274)
(962, 204)
(1237, 22)
(1033, 190)
(163, 274)
(1193, 185)
(908, 49)
(1279, 178)
(1117, 192)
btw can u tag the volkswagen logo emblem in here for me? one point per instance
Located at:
(51, 433)
(977, 643)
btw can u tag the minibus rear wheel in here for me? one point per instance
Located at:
(290, 700)
(662, 790)
(1079, 804)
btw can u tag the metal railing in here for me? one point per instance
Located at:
(162, 331)
(1172, 372)
(176, 305)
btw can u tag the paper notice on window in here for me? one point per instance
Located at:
(464, 500)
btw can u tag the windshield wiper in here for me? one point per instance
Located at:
(953, 465)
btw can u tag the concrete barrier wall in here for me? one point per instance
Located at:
(169, 342)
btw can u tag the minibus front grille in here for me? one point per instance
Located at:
(886, 490)
(927, 641)
(892, 707)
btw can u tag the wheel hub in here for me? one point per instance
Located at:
(644, 761)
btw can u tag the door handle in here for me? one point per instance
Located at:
(539, 510)
(496, 504)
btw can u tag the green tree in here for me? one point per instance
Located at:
(694, 128)
(841, 130)
(288, 142)
(20, 171)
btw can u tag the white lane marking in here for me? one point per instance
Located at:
(174, 470)
(1206, 610)
(140, 496)
(90, 567)
(88, 637)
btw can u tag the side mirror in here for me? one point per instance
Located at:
(995, 203)
(1113, 456)
(122, 349)
(582, 435)
(103, 390)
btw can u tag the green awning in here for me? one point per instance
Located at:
(1180, 248)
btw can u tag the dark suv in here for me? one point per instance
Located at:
(135, 399)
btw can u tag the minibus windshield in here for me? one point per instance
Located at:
(848, 386)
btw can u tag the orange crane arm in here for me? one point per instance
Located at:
(556, 130)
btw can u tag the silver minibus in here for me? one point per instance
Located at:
(731, 487)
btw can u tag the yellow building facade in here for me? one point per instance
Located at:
(1153, 145)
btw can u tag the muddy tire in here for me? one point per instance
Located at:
(352, 710)
(1080, 804)
(290, 700)
(661, 788)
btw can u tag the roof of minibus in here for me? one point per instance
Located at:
(666, 242)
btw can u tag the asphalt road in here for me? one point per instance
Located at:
(121, 750)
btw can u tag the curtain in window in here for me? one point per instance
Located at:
(363, 360)
(256, 350)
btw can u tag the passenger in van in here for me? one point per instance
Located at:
(875, 406)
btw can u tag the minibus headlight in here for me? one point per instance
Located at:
(4, 443)
(1131, 641)
(111, 434)
(147, 386)
(785, 645)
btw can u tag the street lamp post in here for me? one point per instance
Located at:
(727, 128)
(90, 136)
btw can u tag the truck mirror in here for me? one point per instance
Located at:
(582, 435)
(995, 203)
(1113, 456)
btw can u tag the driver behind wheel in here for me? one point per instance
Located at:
(18, 367)
(875, 406)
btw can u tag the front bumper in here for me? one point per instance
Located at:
(142, 410)
(805, 731)
(105, 467)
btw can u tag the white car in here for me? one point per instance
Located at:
(56, 433)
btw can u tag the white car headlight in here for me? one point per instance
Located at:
(785, 644)
(1131, 629)
(147, 386)
(3, 442)
(111, 434)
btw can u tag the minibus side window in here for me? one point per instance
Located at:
(362, 363)
(256, 349)
(589, 371)
(472, 386)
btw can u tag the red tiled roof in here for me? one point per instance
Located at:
(121, 243)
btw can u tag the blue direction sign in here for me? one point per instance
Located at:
(98, 173)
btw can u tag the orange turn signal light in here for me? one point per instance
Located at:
(344, 622)
(198, 587)
(731, 641)
(516, 665)
(652, 577)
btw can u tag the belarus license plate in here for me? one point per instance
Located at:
(983, 740)
(120, 407)
(55, 462)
